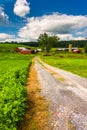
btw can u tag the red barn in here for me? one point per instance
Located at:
(19, 48)
(76, 51)
(25, 51)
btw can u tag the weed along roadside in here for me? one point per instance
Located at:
(37, 115)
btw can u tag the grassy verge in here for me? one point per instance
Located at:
(36, 117)
(76, 63)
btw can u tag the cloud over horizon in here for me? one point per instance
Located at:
(4, 36)
(62, 25)
(21, 8)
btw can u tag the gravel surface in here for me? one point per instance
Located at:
(68, 97)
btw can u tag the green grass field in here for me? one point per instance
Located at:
(14, 69)
(76, 63)
(10, 47)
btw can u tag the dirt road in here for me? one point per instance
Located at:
(67, 93)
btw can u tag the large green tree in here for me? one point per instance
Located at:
(46, 41)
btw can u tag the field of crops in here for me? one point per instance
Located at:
(14, 69)
(76, 63)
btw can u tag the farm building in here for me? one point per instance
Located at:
(66, 49)
(23, 50)
(19, 48)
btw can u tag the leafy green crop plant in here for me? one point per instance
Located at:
(13, 76)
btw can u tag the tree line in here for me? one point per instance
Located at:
(62, 44)
(52, 41)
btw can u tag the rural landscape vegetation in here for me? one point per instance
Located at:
(14, 74)
(43, 65)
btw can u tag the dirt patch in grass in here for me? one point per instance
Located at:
(37, 114)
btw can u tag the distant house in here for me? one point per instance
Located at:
(23, 50)
(19, 48)
(66, 49)
(76, 51)
(39, 50)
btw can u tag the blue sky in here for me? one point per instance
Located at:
(25, 20)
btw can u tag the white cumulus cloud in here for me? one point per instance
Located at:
(4, 36)
(66, 37)
(62, 25)
(21, 8)
(3, 16)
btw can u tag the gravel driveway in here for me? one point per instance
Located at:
(67, 95)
